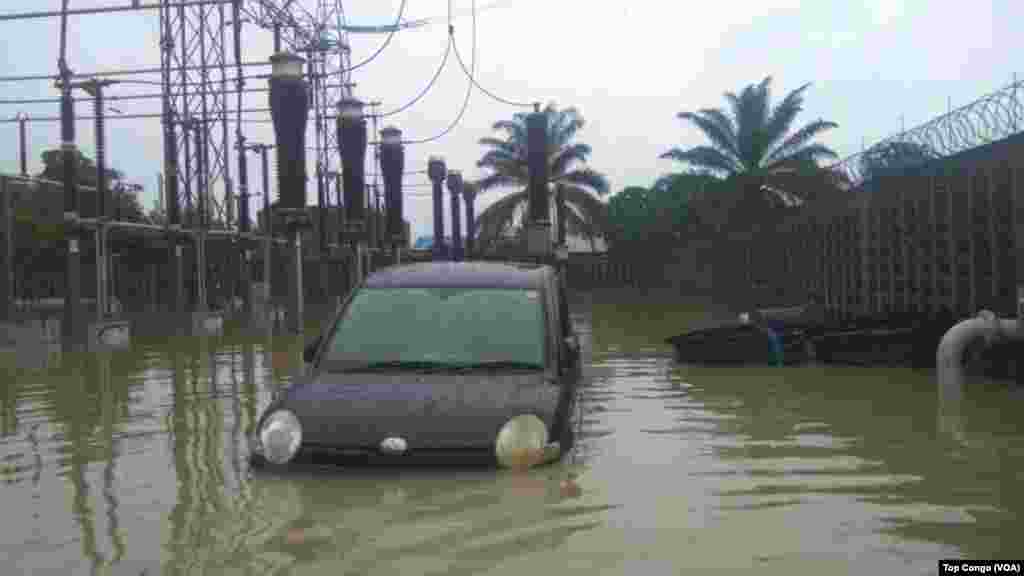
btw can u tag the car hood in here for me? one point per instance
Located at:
(427, 410)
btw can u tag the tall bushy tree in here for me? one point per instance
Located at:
(754, 144)
(574, 186)
(123, 201)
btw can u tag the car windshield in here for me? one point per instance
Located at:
(424, 328)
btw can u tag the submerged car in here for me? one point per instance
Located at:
(436, 357)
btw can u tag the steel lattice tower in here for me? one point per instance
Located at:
(197, 78)
(195, 115)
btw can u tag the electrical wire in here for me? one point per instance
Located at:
(433, 80)
(394, 29)
(469, 87)
(481, 88)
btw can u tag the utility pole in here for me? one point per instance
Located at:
(23, 142)
(73, 263)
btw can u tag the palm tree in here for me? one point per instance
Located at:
(755, 145)
(573, 184)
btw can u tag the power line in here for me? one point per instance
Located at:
(4, 101)
(398, 20)
(470, 73)
(437, 74)
(469, 87)
(128, 72)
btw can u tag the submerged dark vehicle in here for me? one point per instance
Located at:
(436, 357)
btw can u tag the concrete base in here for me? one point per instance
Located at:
(109, 335)
(207, 324)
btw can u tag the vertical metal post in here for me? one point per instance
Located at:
(933, 265)
(23, 143)
(243, 225)
(906, 238)
(6, 251)
(951, 229)
(972, 269)
(101, 204)
(1017, 201)
(72, 276)
(297, 315)
(340, 206)
(201, 200)
(993, 239)
(268, 229)
(243, 166)
(864, 249)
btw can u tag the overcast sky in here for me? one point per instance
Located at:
(628, 66)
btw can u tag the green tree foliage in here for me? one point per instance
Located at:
(658, 216)
(123, 202)
(574, 186)
(754, 145)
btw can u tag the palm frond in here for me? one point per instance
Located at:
(798, 139)
(712, 129)
(586, 177)
(563, 127)
(515, 130)
(566, 156)
(594, 211)
(705, 157)
(510, 147)
(782, 116)
(803, 158)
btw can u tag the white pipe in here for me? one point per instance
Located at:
(950, 355)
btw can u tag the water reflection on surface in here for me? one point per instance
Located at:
(134, 461)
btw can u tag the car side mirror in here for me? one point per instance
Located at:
(309, 352)
(572, 347)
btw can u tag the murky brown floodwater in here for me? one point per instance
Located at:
(134, 462)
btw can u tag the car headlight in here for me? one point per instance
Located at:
(521, 442)
(280, 437)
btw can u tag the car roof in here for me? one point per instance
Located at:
(523, 275)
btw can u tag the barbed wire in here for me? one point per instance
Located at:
(990, 118)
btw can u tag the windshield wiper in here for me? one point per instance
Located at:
(422, 366)
(497, 365)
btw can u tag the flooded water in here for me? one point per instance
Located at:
(134, 463)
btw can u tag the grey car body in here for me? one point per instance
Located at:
(438, 410)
